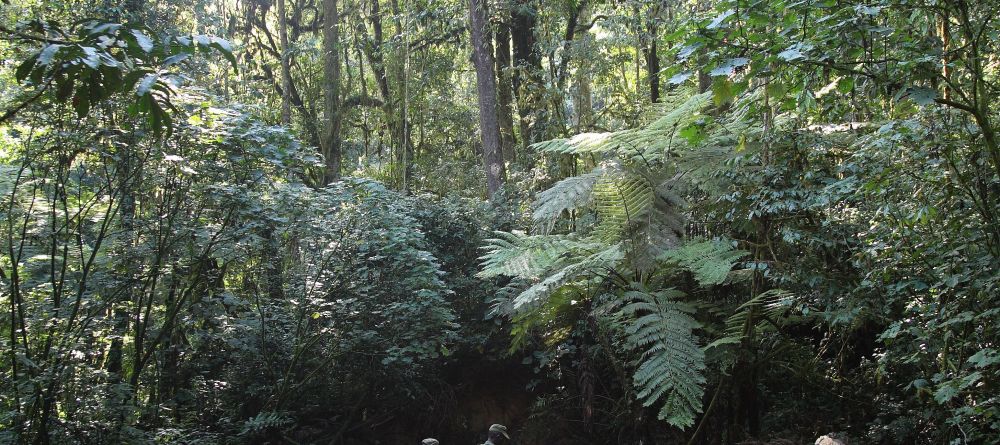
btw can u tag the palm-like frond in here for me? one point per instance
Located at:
(516, 254)
(671, 365)
(620, 199)
(709, 260)
(771, 304)
(589, 266)
(646, 144)
(569, 194)
(546, 261)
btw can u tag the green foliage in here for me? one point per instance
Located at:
(567, 195)
(638, 225)
(710, 261)
(766, 310)
(92, 61)
(671, 364)
(549, 261)
(678, 114)
(814, 196)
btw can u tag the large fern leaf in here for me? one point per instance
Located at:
(620, 200)
(709, 260)
(770, 304)
(660, 228)
(569, 194)
(547, 261)
(646, 144)
(516, 254)
(671, 364)
(593, 265)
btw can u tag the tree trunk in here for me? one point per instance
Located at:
(527, 66)
(331, 91)
(482, 59)
(286, 73)
(582, 104)
(653, 66)
(403, 129)
(505, 93)
(400, 133)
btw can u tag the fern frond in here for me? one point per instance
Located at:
(671, 364)
(549, 261)
(710, 261)
(646, 144)
(550, 316)
(516, 254)
(684, 112)
(661, 227)
(772, 304)
(607, 258)
(503, 298)
(569, 194)
(552, 146)
(620, 200)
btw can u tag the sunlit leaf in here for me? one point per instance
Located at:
(729, 67)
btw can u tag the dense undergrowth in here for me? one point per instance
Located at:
(229, 236)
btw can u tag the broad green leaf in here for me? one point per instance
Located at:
(64, 88)
(90, 57)
(144, 42)
(679, 78)
(722, 91)
(81, 101)
(48, 53)
(985, 357)
(793, 53)
(687, 50)
(175, 59)
(25, 68)
(146, 84)
(720, 18)
(729, 66)
(921, 96)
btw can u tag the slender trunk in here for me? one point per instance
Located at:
(403, 129)
(271, 262)
(126, 211)
(286, 74)
(505, 93)
(582, 103)
(653, 67)
(482, 58)
(527, 69)
(392, 109)
(376, 58)
(331, 91)
(567, 45)
(167, 381)
(562, 76)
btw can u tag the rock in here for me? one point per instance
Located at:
(827, 440)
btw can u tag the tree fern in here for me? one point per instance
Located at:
(710, 260)
(620, 199)
(636, 198)
(771, 304)
(660, 228)
(646, 144)
(516, 254)
(569, 194)
(593, 265)
(546, 261)
(670, 369)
